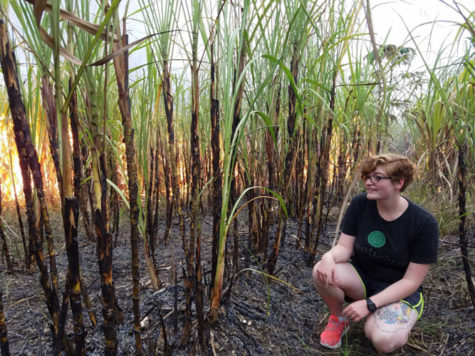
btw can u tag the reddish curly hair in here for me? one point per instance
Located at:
(395, 166)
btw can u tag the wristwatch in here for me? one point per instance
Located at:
(371, 306)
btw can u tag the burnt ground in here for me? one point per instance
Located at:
(260, 316)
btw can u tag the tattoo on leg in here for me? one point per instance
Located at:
(395, 313)
(394, 317)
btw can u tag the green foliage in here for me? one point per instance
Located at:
(313, 50)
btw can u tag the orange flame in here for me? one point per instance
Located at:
(11, 179)
(10, 172)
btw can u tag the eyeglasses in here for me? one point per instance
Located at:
(375, 178)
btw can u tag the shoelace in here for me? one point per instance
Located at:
(336, 325)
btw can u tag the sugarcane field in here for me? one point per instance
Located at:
(245, 177)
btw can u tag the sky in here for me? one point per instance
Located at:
(431, 22)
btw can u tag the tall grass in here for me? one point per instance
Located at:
(250, 106)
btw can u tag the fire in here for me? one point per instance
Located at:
(10, 172)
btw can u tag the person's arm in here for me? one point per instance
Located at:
(412, 279)
(340, 253)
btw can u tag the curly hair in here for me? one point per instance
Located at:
(395, 166)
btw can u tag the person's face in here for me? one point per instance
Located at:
(380, 186)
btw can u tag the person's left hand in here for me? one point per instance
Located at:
(356, 310)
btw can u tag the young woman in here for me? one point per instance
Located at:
(385, 249)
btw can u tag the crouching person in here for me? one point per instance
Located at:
(385, 249)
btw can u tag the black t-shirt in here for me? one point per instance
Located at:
(383, 249)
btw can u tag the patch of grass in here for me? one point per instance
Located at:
(438, 203)
(428, 327)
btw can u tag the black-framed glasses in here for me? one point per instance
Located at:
(375, 178)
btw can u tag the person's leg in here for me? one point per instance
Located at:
(388, 328)
(348, 283)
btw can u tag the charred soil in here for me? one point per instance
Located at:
(259, 315)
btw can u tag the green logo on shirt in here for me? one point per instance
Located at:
(376, 239)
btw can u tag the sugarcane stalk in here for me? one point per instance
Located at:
(176, 198)
(52, 127)
(68, 349)
(110, 309)
(216, 171)
(195, 225)
(302, 184)
(462, 201)
(27, 249)
(114, 200)
(85, 195)
(151, 220)
(236, 118)
(324, 163)
(169, 200)
(71, 210)
(5, 251)
(156, 198)
(4, 346)
(29, 161)
(71, 222)
(149, 233)
(121, 71)
(288, 163)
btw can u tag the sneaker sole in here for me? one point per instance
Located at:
(336, 346)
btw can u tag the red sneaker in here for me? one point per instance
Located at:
(333, 333)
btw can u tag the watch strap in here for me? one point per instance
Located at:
(371, 306)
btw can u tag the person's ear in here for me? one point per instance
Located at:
(399, 184)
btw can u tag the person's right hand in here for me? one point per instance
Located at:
(326, 270)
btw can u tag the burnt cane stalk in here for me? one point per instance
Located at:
(28, 156)
(27, 250)
(324, 164)
(169, 199)
(3, 329)
(5, 251)
(71, 220)
(236, 119)
(266, 205)
(228, 186)
(175, 194)
(302, 184)
(156, 199)
(85, 194)
(50, 106)
(121, 71)
(217, 179)
(71, 214)
(462, 183)
(188, 248)
(149, 233)
(110, 309)
(151, 223)
(70, 210)
(195, 225)
(289, 159)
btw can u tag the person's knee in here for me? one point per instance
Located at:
(317, 281)
(314, 272)
(386, 343)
